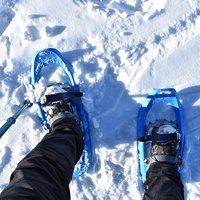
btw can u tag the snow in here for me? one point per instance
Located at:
(120, 50)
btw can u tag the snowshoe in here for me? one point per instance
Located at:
(161, 141)
(59, 93)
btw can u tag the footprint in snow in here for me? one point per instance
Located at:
(6, 16)
(32, 33)
(53, 31)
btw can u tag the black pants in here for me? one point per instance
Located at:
(163, 183)
(45, 173)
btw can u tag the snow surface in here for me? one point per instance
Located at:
(120, 50)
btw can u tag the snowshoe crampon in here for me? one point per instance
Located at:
(169, 97)
(44, 62)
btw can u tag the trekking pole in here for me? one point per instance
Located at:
(12, 120)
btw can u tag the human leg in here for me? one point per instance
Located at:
(46, 171)
(163, 182)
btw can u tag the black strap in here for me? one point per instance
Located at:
(61, 96)
(159, 137)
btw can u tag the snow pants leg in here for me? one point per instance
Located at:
(163, 183)
(46, 171)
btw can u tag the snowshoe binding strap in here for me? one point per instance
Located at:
(163, 158)
(60, 97)
(160, 138)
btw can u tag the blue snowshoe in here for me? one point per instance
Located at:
(162, 140)
(64, 95)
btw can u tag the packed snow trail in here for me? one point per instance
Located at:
(120, 50)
